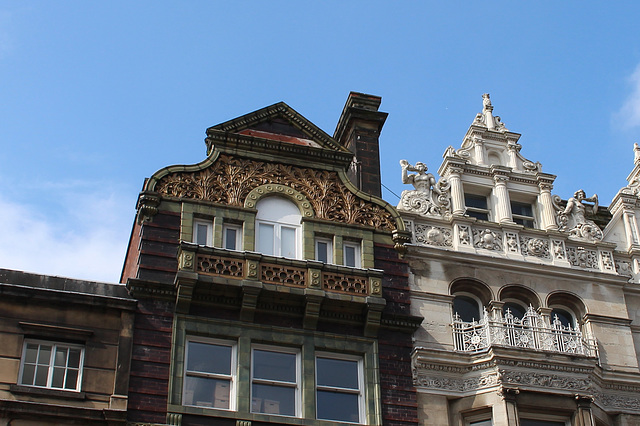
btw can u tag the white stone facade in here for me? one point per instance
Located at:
(550, 288)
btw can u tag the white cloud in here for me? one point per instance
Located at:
(629, 115)
(83, 236)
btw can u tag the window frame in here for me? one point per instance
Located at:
(232, 377)
(238, 240)
(357, 247)
(478, 210)
(297, 386)
(329, 249)
(51, 365)
(209, 236)
(360, 391)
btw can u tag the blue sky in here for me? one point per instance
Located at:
(96, 96)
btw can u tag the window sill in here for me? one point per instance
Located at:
(53, 393)
(256, 417)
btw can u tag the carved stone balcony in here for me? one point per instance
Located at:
(533, 331)
(250, 281)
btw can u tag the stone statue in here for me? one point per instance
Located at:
(429, 197)
(486, 103)
(573, 220)
(636, 153)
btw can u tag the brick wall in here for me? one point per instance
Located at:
(399, 397)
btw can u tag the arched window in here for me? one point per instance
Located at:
(466, 307)
(566, 318)
(278, 228)
(517, 309)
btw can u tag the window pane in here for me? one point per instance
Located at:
(521, 209)
(477, 201)
(28, 374)
(478, 215)
(288, 242)
(206, 392)
(72, 379)
(273, 400)
(265, 238)
(349, 256)
(230, 238)
(74, 358)
(44, 357)
(277, 366)
(321, 251)
(58, 378)
(31, 353)
(60, 357)
(467, 308)
(202, 231)
(339, 373)
(207, 358)
(42, 373)
(337, 406)
(482, 423)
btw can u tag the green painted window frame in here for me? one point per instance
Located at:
(247, 336)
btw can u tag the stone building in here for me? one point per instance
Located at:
(530, 302)
(65, 348)
(269, 289)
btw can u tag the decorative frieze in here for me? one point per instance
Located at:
(229, 180)
(487, 239)
(537, 247)
(582, 258)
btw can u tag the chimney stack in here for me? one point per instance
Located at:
(358, 130)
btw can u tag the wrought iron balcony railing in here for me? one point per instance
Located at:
(533, 331)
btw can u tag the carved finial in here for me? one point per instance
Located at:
(636, 153)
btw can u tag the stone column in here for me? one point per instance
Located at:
(507, 413)
(631, 228)
(547, 213)
(503, 206)
(584, 417)
(512, 150)
(478, 146)
(457, 192)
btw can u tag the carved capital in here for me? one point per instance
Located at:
(500, 179)
(509, 394)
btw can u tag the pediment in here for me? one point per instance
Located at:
(278, 122)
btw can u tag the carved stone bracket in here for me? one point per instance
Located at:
(147, 206)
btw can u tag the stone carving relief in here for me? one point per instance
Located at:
(487, 239)
(553, 381)
(583, 258)
(428, 196)
(535, 247)
(464, 235)
(511, 242)
(432, 235)
(624, 268)
(607, 261)
(559, 252)
(230, 179)
(572, 218)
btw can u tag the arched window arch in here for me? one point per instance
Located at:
(514, 307)
(278, 228)
(470, 298)
(569, 309)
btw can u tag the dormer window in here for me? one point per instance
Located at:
(476, 206)
(522, 214)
